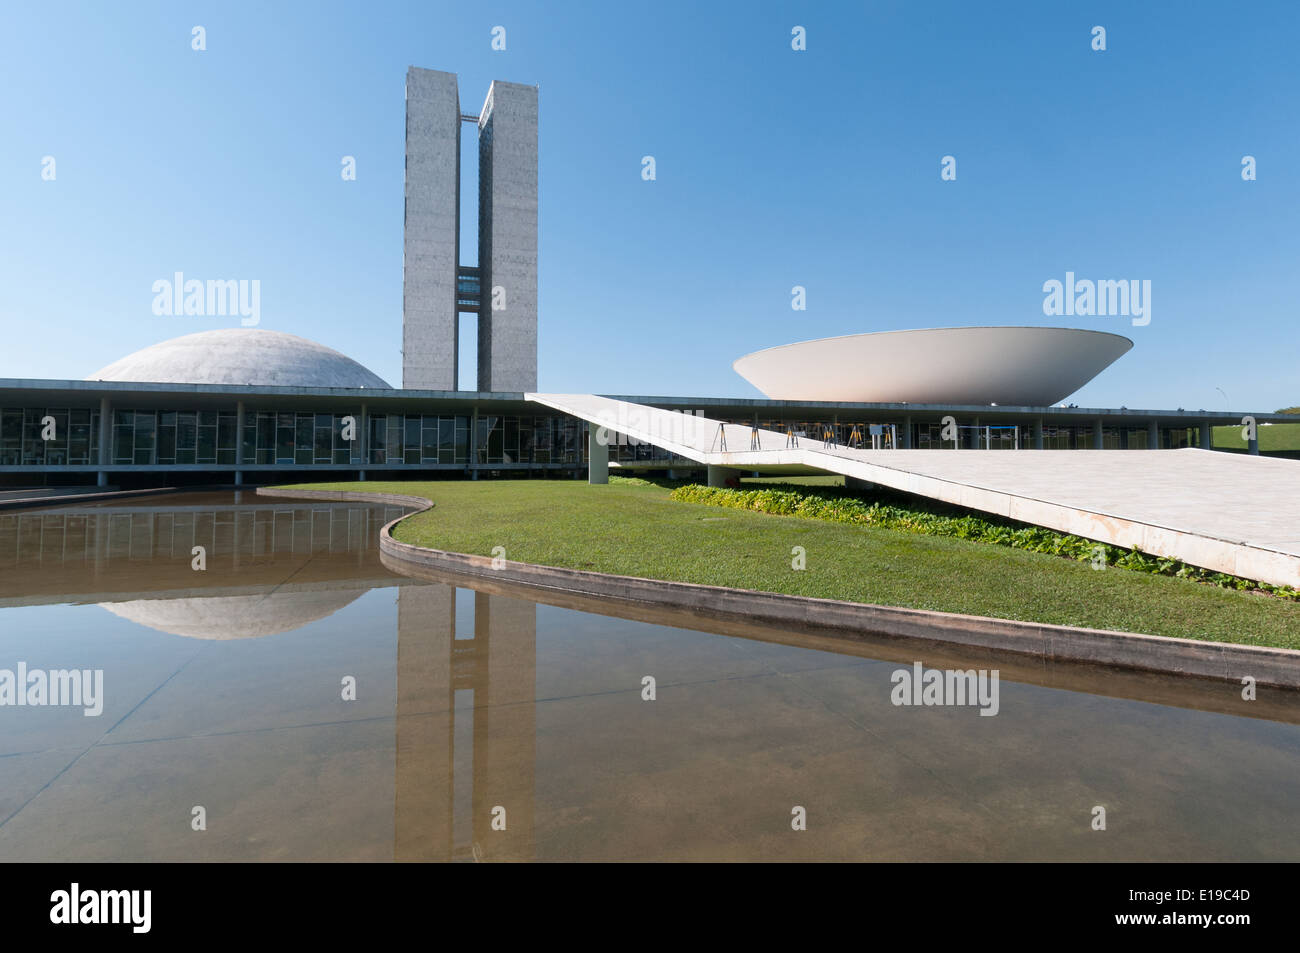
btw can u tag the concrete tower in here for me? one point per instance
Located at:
(431, 241)
(502, 288)
(507, 238)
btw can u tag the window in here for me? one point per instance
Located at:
(11, 436)
(187, 436)
(446, 439)
(303, 442)
(343, 448)
(167, 437)
(284, 434)
(411, 440)
(227, 422)
(429, 431)
(266, 434)
(378, 431)
(462, 439)
(123, 436)
(146, 435)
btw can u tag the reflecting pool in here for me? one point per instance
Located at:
(296, 699)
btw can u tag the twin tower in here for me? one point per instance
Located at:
(436, 287)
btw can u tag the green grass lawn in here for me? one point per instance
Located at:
(632, 528)
(1272, 438)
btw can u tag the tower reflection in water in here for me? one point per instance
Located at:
(464, 706)
(466, 709)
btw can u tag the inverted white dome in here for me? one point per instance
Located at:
(1025, 367)
(240, 356)
(233, 617)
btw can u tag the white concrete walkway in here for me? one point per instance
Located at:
(1232, 513)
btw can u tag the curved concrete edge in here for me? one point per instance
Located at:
(1224, 661)
(418, 503)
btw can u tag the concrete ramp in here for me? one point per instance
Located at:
(1231, 513)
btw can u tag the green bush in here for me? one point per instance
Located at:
(940, 520)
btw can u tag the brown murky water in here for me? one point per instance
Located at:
(479, 709)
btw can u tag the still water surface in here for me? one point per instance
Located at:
(223, 689)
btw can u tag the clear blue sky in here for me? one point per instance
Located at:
(775, 168)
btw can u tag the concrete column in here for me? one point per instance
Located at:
(907, 433)
(1153, 435)
(105, 440)
(1207, 436)
(1252, 447)
(974, 441)
(1038, 433)
(365, 436)
(597, 458)
(718, 476)
(239, 442)
(1098, 441)
(473, 444)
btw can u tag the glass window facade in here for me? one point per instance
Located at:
(275, 438)
(178, 437)
(297, 439)
(74, 437)
(173, 438)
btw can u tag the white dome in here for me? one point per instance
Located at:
(240, 356)
(1029, 367)
(233, 617)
